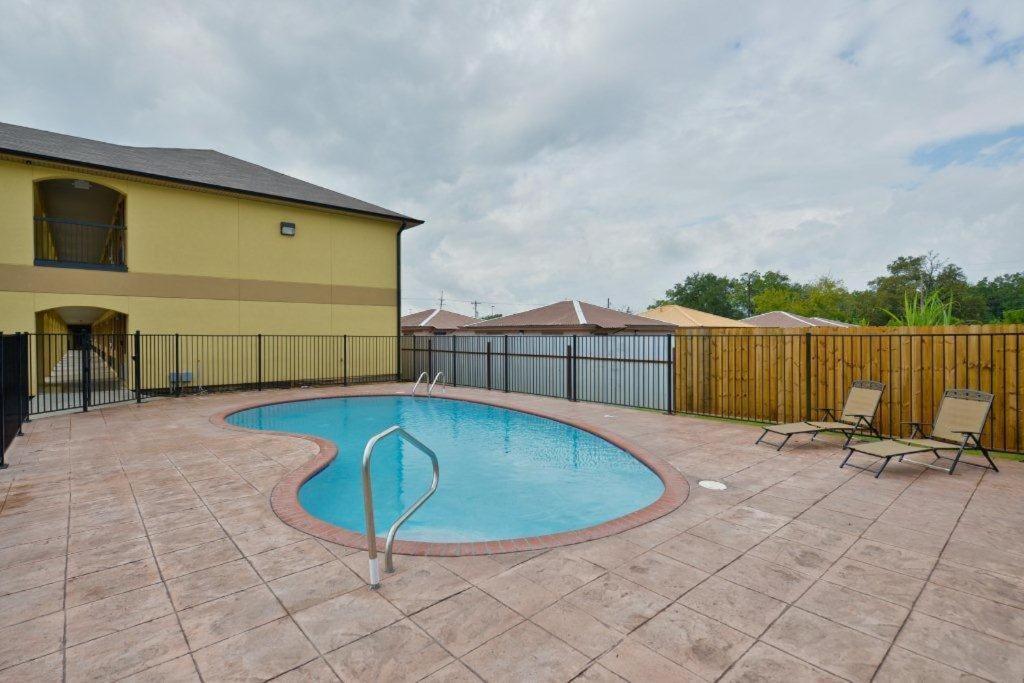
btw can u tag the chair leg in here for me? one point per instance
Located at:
(984, 451)
(849, 453)
(763, 434)
(956, 459)
(884, 463)
(784, 442)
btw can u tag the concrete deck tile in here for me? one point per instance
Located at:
(698, 552)
(116, 613)
(465, 621)
(617, 602)
(699, 644)
(126, 652)
(314, 585)
(289, 559)
(768, 578)
(31, 639)
(577, 628)
(348, 617)
(518, 592)
(661, 574)
(526, 652)
(633, 661)
(224, 617)
(741, 608)
(883, 583)
(901, 666)
(865, 613)
(211, 583)
(961, 648)
(316, 671)
(259, 654)
(982, 615)
(763, 662)
(826, 644)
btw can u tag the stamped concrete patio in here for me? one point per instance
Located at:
(137, 542)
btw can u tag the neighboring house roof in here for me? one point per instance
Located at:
(787, 319)
(436, 319)
(573, 315)
(202, 167)
(681, 316)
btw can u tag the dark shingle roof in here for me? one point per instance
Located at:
(203, 167)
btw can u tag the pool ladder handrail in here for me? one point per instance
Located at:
(418, 380)
(444, 384)
(371, 531)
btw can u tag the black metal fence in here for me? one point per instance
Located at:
(13, 388)
(79, 371)
(634, 370)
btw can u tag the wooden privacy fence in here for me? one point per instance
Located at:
(782, 375)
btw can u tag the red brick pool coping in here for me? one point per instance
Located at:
(285, 497)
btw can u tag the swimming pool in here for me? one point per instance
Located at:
(504, 474)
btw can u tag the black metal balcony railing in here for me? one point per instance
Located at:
(79, 244)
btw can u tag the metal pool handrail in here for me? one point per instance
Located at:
(444, 385)
(418, 380)
(371, 531)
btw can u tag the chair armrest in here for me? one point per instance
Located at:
(965, 432)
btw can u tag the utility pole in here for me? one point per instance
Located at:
(608, 303)
(476, 313)
(441, 302)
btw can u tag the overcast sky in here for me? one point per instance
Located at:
(576, 150)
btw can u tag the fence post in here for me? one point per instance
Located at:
(671, 375)
(259, 361)
(455, 360)
(85, 344)
(344, 360)
(137, 337)
(505, 363)
(488, 366)
(430, 358)
(25, 375)
(574, 367)
(568, 371)
(807, 375)
(177, 364)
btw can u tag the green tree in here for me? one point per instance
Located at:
(706, 292)
(1002, 294)
(753, 284)
(912, 276)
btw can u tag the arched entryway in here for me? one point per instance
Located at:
(80, 357)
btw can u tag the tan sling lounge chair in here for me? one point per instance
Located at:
(957, 427)
(858, 414)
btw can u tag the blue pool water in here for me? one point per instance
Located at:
(504, 474)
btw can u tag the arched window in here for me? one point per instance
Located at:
(79, 224)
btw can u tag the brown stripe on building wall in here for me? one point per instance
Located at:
(41, 279)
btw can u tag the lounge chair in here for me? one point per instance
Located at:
(957, 426)
(857, 415)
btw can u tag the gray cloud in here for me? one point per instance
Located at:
(588, 150)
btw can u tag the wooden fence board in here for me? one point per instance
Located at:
(763, 374)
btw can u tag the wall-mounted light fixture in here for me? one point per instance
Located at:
(288, 229)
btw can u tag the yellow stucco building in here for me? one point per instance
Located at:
(115, 238)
